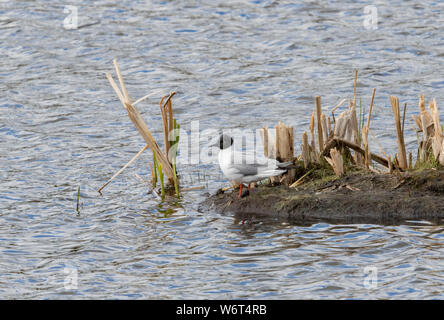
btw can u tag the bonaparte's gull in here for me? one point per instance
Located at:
(245, 172)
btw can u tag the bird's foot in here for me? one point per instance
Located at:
(240, 195)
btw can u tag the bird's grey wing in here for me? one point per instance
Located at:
(247, 169)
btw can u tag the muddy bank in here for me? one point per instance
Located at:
(358, 197)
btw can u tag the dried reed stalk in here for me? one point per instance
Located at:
(337, 106)
(337, 142)
(138, 122)
(312, 136)
(366, 147)
(421, 105)
(365, 131)
(164, 126)
(349, 127)
(354, 128)
(123, 168)
(264, 136)
(355, 87)
(330, 132)
(336, 162)
(370, 108)
(285, 149)
(427, 116)
(147, 96)
(269, 143)
(299, 181)
(166, 110)
(403, 117)
(425, 137)
(305, 150)
(318, 118)
(341, 125)
(438, 134)
(401, 146)
(141, 126)
(324, 129)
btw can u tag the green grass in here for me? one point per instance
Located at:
(430, 163)
(158, 174)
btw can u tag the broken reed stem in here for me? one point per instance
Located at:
(436, 122)
(176, 128)
(141, 126)
(116, 88)
(147, 96)
(122, 84)
(403, 117)
(318, 117)
(337, 142)
(165, 126)
(425, 138)
(366, 147)
(401, 146)
(355, 86)
(264, 132)
(312, 138)
(330, 132)
(194, 188)
(123, 168)
(336, 161)
(152, 175)
(354, 127)
(337, 106)
(371, 108)
(167, 119)
(285, 149)
(170, 115)
(324, 129)
(305, 150)
(138, 122)
(299, 181)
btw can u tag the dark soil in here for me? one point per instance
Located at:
(358, 197)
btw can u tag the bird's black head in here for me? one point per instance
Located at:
(225, 141)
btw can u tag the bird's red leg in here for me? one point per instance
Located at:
(240, 190)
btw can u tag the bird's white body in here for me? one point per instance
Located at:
(235, 167)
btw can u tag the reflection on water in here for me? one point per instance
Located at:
(234, 65)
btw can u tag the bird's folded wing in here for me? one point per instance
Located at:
(247, 169)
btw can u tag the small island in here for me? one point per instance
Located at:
(336, 178)
(357, 197)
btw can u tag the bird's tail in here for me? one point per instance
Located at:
(286, 165)
(272, 173)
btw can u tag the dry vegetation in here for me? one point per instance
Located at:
(342, 142)
(164, 163)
